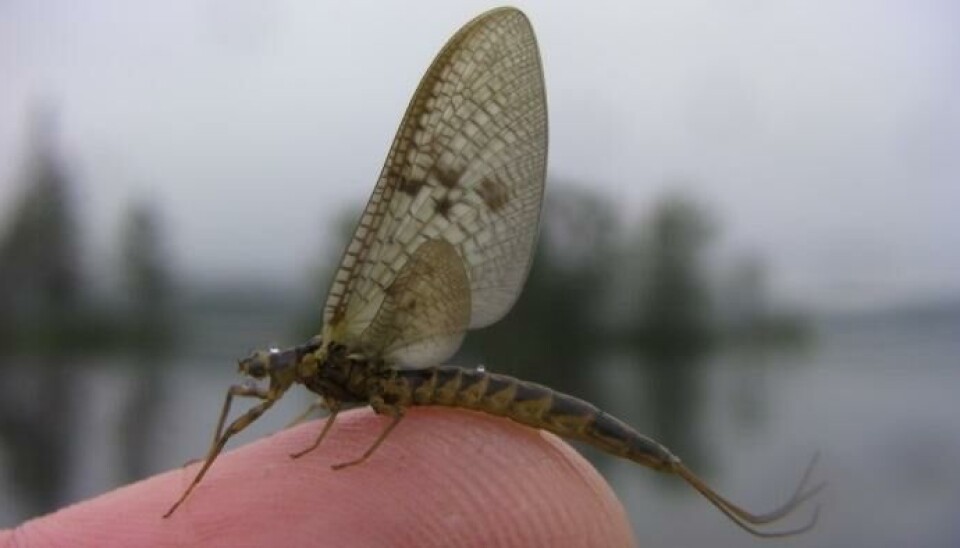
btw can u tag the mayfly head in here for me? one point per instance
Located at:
(277, 365)
(255, 365)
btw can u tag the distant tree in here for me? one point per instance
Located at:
(673, 316)
(40, 288)
(39, 251)
(749, 318)
(147, 279)
(671, 327)
(149, 292)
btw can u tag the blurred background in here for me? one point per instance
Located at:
(749, 246)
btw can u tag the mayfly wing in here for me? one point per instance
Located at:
(466, 168)
(425, 310)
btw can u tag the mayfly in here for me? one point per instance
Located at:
(444, 245)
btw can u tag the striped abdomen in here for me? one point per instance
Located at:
(527, 403)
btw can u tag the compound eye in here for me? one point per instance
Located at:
(257, 370)
(254, 366)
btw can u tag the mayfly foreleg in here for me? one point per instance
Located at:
(242, 390)
(235, 427)
(397, 417)
(334, 407)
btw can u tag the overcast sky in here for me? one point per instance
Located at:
(825, 134)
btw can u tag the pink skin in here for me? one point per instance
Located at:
(443, 478)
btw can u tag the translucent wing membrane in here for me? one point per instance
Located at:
(425, 311)
(466, 168)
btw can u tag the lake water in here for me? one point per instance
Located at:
(880, 402)
(878, 398)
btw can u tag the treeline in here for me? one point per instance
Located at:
(48, 302)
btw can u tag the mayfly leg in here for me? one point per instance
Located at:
(221, 440)
(319, 403)
(242, 390)
(397, 416)
(334, 408)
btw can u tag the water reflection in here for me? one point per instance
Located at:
(141, 417)
(37, 431)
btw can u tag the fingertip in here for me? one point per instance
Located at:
(443, 477)
(450, 477)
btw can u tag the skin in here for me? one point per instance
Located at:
(443, 478)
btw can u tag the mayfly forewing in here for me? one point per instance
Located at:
(467, 168)
(425, 311)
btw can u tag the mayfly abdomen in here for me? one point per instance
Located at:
(530, 404)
